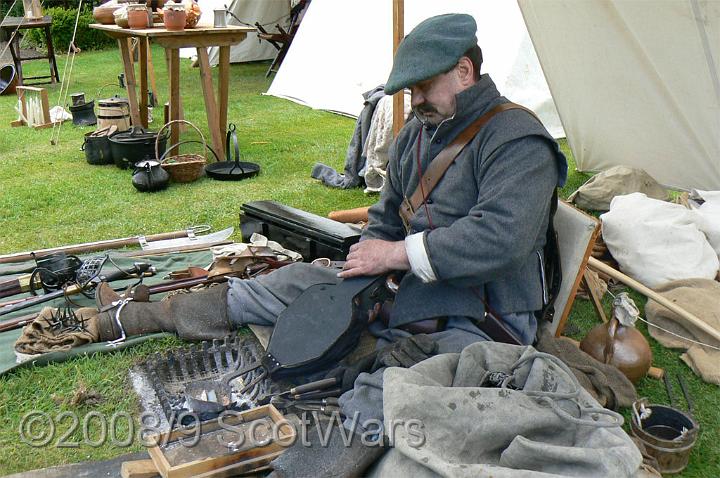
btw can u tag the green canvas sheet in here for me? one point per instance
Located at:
(163, 263)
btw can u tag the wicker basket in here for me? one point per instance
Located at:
(182, 168)
(185, 168)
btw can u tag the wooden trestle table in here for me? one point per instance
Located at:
(200, 37)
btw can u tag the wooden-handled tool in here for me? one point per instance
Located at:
(359, 214)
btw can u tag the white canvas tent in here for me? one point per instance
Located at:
(344, 48)
(266, 12)
(636, 83)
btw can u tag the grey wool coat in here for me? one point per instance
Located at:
(489, 212)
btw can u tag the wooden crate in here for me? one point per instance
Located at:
(175, 460)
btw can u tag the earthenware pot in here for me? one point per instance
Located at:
(175, 16)
(624, 347)
(104, 15)
(138, 17)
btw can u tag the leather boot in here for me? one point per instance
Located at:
(105, 295)
(200, 315)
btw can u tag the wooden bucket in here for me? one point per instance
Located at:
(113, 111)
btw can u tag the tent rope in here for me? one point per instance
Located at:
(66, 76)
(703, 344)
(680, 336)
(241, 22)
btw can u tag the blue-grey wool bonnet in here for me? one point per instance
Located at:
(434, 46)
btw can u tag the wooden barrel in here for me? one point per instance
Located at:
(114, 111)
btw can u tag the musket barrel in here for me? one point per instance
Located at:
(90, 246)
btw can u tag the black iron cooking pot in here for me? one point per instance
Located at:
(130, 147)
(83, 113)
(8, 80)
(97, 149)
(149, 176)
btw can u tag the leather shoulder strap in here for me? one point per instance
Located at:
(447, 156)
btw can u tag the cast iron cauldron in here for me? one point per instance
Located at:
(149, 176)
(97, 149)
(131, 147)
(84, 113)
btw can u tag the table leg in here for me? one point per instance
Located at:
(151, 72)
(51, 56)
(143, 60)
(181, 115)
(130, 81)
(174, 61)
(131, 48)
(210, 105)
(224, 86)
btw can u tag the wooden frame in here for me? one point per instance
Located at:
(229, 464)
(579, 230)
(24, 92)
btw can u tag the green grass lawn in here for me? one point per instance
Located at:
(50, 196)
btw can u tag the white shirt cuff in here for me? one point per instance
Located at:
(418, 257)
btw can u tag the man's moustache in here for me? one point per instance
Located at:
(426, 109)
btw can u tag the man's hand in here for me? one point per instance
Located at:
(374, 257)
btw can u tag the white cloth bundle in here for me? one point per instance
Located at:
(657, 242)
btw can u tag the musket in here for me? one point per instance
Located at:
(50, 273)
(19, 285)
(101, 245)
(185, 283)
(139, 268)
(19, 322)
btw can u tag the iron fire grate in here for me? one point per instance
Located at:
(162, 380)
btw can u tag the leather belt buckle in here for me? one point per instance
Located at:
(406, 212)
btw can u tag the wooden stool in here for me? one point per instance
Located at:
(282, 39)
(12, 25)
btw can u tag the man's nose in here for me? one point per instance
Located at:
(416, 98)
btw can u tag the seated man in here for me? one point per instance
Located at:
(476, 239)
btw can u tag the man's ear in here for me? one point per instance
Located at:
(465, 71)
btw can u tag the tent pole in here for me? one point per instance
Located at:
(398, 34)
(685, 316)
